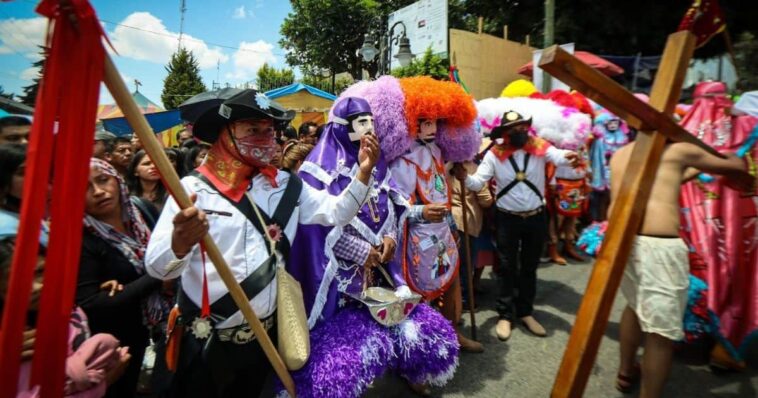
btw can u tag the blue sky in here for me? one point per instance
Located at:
(238, 34)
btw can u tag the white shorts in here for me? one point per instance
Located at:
(655, 284)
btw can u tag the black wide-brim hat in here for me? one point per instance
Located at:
(248, 104)
(509, 120)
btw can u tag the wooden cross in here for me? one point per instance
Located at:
(656, 125)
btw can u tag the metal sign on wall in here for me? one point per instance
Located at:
(426, 24)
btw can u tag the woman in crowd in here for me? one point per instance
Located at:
(294, 154)
(12, 159)
(12, 166)
(113, 246)
(146, 187)
(195, 156)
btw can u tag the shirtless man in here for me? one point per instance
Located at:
(656, 278)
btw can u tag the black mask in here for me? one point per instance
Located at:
(518, 139)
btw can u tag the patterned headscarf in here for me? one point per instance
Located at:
(156, 306)
(132, 244)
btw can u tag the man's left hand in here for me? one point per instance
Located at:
(573, 159)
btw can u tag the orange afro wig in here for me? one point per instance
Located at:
(426, 98)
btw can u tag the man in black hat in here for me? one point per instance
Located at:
(517, 163)
(245, 204)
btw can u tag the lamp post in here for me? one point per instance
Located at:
(404, 55)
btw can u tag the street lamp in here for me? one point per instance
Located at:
(404, 54)
(369, 51)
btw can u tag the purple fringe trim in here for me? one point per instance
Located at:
(459, 144)
(426, 346)
(350, 350)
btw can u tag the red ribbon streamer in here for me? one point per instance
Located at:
(73, 71)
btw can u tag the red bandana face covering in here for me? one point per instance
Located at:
(230, 171)
(258, 149)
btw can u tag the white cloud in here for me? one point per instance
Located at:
(249, 58)
(23, 36)
(29, 73)
(241, 13)
(158, 46)
(259, 4)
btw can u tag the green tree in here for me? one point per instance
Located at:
(269, 78)
(325, 83)
(29, 95)
(4, 94)
(599, 27)
(428, 65)
(325, 34)
(746, 58)
(183, 80)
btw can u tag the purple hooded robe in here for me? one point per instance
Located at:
(330, 166)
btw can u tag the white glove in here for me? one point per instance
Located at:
(403, 292)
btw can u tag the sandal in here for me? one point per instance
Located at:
(626, 383)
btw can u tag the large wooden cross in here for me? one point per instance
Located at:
(656, 125)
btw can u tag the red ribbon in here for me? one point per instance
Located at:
(74, 69)
(205, 306)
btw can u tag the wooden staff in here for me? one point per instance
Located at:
(154, 149)
(469, 270)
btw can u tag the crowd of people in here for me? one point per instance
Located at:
(366, 212)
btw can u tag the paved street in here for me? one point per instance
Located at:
(525, 366)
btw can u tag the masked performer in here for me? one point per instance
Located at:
(517, 163)
(611, 133)
(354, 264)
(220, 357)
(439, 117)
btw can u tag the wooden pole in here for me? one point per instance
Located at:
(155, 150)
(469, 268)
(480, 25)
(505, 32)
(625, 220)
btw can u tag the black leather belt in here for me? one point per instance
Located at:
(522, 214)
(225, 307)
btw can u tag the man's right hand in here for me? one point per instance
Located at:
(190, 226)
(434, 213)
(373, 259)
(460, 172)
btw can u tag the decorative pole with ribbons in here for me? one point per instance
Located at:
(58, 155)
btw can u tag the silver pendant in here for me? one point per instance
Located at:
(201, 328)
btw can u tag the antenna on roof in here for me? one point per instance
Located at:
(182, 10)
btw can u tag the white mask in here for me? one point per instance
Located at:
(362, 125)
(427, 129)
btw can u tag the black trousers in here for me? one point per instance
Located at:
(216, 369)
(519, 244)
